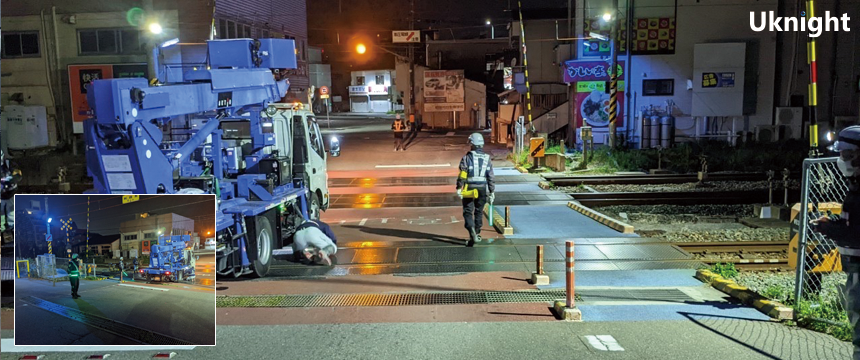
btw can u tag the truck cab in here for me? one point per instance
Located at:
(307, 150)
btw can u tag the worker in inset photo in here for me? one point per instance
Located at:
(475, 185)
(844, 230)
(315, 241)
(74, 275)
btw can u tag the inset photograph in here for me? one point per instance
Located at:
(114, 270)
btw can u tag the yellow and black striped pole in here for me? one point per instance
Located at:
(613, 77)
(813, 86)
(525, 64)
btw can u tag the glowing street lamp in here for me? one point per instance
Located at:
(155, 28)
(607, 17)
(360, 48)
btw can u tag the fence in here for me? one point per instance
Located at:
(819, 281)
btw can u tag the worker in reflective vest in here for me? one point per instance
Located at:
(74, 276)
(477, 181)
(399, 127)
(844, 231)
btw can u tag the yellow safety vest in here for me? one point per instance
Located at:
(398, 125)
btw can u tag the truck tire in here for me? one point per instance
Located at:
(314, 208)
(265, 240)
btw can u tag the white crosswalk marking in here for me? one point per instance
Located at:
(604, 342)
(385, 220)
(454, 220)
(342, 221)
(361, 223)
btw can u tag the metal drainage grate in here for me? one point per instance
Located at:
(127, 331)
(440, 298)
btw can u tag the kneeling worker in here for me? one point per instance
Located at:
(477, 182)
(315, 241)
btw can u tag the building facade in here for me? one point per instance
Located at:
(51, 50)
(373, 91)
(136, 236)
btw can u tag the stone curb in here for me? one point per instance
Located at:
(546, 185)
(522, 169)
(768, 307)
(498, 221)
(603, 219)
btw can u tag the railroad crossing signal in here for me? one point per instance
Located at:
(67, 224)
(536, 147)
(324, 92)
(130, 198)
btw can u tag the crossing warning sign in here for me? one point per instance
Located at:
(536, 147)
(130, 198)
(48, 237)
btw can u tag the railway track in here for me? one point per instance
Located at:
(753, 255)
(646, 179)
(675, 198)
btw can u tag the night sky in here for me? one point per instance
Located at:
(107, 212)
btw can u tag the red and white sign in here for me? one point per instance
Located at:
(323, 90)
(406, 36)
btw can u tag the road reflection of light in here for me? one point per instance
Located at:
(368, 182)
(206, 282)
(369, 270)
(368, 201)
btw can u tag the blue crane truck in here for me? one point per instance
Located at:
(263, 160)
(170, 260)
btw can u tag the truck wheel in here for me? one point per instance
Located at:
(314, 208)
(265, 239)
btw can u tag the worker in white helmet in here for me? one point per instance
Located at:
(844, 229)
(476, 174)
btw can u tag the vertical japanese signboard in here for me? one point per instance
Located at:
(82, 75)
(591, 99)
(444, 90)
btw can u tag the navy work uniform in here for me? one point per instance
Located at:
(399, 127)
(74, 276)
(476, 172)
(844, 229)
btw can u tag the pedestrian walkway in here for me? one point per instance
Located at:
(111, 313)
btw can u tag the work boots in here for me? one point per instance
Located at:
(473, 236)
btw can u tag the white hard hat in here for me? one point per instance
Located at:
(848, 139)
(397, 116)
(476, 139)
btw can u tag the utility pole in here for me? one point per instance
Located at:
(613, 77)
(411, 112)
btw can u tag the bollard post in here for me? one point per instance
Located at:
(538, 277)
(490, 217)
(568, 254)
(540, 259)
(507, 216)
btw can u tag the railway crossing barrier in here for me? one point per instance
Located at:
(819, 293)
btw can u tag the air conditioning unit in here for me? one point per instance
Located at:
(767, 133)
(790, 121)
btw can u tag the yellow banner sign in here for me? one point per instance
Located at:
(130, 198)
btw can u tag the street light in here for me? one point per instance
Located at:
(360, 48)
(492, 29)
(155, 28)
(607, 17)
(49, 220)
